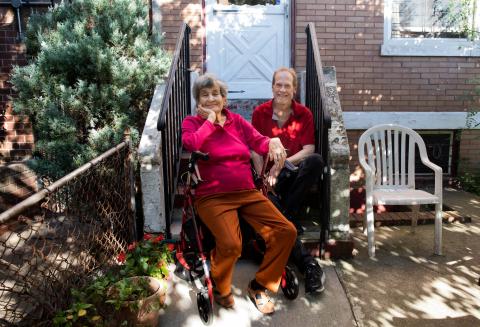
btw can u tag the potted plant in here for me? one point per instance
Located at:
(149, 257)
(137, 300)
(139, 296)
(130, 295)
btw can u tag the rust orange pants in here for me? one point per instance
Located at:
(220, 212)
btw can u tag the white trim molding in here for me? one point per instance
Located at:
(430, 47)
(426, 46)
(414, 119)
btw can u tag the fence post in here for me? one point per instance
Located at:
(131, 182)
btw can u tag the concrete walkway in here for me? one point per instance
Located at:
(330, 308)
(406, 285)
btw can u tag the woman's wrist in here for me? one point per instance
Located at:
(212, 117)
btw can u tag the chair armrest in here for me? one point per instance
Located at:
(438, 175)
(368, 175)
(366, 167)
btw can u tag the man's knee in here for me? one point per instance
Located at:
(314, 160)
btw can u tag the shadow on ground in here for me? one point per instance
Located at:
(330, 308)
(406, 285)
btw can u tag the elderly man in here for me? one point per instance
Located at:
(292, 123)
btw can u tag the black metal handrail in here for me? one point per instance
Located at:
(176, 105)
(316, 100)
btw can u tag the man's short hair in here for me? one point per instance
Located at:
(288, 70)
(208, 81)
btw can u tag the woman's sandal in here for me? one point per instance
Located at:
(261, 300)
(225, 301)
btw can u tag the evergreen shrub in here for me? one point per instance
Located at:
(92, 71)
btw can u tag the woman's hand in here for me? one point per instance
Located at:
(206, 113)
(276, 152)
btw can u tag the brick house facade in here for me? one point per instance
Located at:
(350, 35)
(17, 181)
(15, 133)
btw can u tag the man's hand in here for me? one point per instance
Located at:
(276, 152)
(272, 175)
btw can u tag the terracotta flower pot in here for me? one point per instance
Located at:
(144, 311)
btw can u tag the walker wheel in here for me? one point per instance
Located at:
(289, 283)
(205, 308)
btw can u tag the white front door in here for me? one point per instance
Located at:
(245, 44)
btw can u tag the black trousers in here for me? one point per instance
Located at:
(292, 188)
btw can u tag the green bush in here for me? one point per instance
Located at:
(470, 182)
(92, 72)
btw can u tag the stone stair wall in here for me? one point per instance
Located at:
(339, 161)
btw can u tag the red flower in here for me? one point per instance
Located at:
(171, 247)
(132, 246)
(121, 257)
(146, 237)
(159, 238)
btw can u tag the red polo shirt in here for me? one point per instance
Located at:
(297, 131)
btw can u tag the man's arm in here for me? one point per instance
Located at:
(307, 150)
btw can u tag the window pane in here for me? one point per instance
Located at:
(432, 18)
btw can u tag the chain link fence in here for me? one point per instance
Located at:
(63, 235)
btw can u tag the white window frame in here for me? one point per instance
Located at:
(426, 46)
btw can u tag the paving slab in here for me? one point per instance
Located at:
(406, 285)
(331, 308)
(466, 203)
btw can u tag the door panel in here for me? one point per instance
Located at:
(245, 44)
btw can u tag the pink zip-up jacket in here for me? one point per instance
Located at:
(228, 168)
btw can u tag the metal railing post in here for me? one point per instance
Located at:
(315, 99)
(176, 105)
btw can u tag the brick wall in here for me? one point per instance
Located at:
(173, 14)
(469, 151)
(16, 138)
(350, 34)
(17, 182)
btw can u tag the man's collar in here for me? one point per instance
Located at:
(295, 108)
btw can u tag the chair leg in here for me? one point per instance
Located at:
(438, 229)
(370, 230)
(415, 210)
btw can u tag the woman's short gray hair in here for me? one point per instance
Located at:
(208, 81)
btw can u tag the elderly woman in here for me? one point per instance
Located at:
(228, 190)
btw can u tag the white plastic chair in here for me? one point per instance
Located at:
(390, 175)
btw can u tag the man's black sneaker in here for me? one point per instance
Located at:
(314, 278)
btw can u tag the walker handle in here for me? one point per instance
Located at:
(193, 159)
